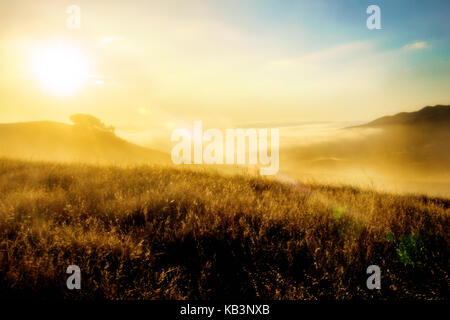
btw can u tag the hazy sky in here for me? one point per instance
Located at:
(159, 64)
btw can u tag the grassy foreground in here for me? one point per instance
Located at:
(168, 233)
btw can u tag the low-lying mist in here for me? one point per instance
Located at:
(397, 158)
(408, 152)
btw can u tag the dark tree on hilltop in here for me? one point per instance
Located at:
(91, 122)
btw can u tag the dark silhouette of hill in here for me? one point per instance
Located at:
(421, 137)
(46, 140)
(438, 115)
(415, 145)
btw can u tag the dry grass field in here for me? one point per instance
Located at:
(173, 233)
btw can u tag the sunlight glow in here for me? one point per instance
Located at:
(61, 69)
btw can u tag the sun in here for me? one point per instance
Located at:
(60, 68)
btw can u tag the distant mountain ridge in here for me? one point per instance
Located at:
(47, 140)
(415, 143)
(430, 115)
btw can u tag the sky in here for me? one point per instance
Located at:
(145, 66)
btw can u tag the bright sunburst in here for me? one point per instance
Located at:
(60, 68)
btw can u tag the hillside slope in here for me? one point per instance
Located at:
(167, 233)
(420, 138)
(438, 115)
(45, 140)
(419, 141)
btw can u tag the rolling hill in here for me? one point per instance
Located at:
(417, 138)
(46, 140)
(420, 138)
(438, 115)
(409, 150)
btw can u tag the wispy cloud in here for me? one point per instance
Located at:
(341, 51)
(418, 45)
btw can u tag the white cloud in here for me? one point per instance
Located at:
(418, 45)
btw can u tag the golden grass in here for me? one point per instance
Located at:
(169, 233)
